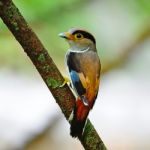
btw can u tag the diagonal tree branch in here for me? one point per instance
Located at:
(47, 69)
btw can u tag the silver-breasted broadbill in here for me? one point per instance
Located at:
(84, 67)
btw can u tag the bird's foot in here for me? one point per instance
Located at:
(66, 80)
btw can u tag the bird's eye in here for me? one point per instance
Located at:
(78, 36)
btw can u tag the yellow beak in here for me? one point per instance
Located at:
(66, 35)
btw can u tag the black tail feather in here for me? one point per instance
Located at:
(80, 114)
(77, 127)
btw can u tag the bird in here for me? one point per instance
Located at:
(83, 65)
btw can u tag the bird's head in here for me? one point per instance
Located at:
(79, 40)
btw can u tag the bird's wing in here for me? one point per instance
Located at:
(77, 77)
(84, 71)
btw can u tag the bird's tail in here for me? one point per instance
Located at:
(80, 114)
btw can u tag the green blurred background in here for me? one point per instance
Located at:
(122, 31)
(102, 18)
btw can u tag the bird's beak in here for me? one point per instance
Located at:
(63, 35)
(66, 35)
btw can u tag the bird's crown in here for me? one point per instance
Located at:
(80, 33)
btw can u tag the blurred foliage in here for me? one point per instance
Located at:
(140, 5)
(44, 9)
(48, 18)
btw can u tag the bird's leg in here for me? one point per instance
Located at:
(66, 80)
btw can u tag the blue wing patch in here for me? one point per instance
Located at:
(74, 76)
(77, 83)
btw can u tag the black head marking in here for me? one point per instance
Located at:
(85, 34)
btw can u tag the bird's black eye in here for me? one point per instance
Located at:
(78, 36)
